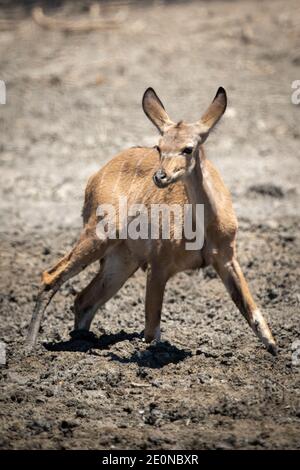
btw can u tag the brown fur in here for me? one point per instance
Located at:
(130, 174)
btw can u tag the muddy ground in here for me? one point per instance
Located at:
(73, 101)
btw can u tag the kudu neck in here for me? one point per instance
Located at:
(194, 182)
(198, 187)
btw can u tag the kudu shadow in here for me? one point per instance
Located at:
(84, 341)
(155, 356)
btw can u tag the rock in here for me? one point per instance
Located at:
(296, 60)
(39, 425)
(267, 189)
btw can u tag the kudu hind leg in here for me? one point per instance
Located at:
(115, 269)
(236, 284)
(87, 250)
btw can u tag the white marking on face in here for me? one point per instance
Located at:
(170, 155)
(176, 176)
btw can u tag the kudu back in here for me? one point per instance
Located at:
(175, 172)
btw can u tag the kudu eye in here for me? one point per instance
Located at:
(187, 150)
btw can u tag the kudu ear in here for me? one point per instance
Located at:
(215, 111)
(155, 111)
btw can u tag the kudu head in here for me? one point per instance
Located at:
(179, 143)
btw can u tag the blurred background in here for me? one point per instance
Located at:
(75, 73)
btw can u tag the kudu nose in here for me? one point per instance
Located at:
(158, 176)
(161, 174)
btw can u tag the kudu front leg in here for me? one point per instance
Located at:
(155, 289)
(231, 274)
